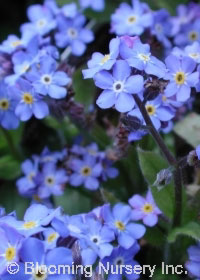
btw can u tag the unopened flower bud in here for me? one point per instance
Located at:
(163, 178)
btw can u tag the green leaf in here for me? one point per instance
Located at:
(151, 163)
(9, 168)
(12, 201)
(189, 129)
(191, 229)
(73, 201)
(155, 237)
(84, 89)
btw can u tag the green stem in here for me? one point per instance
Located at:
(169, 157)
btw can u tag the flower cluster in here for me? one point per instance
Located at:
(49, 237)
(30, 73)
(47, 174)
(181, 30)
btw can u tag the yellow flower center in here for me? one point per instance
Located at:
(148, 208)
(193, 35)
(28, 98)
(37, 198)
(180, 78)
(86, 171)
(150, 109)
(144, 57)
(29, 225)
(194, 55)
(164, 98)
(132, 19)
(4, 104)
(120, 225)
(40, 274)
(41, 23)
(105, 58)
(52, 237)
(16, 43)
(10, 254)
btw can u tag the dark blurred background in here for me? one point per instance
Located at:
(12, 14)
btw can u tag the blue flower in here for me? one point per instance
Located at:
(193, 51)
(42, 20)
(129, 20)
(97, 5)
(11, 242)
(50, 238)
(27, 185)
(162, 27)
(96, 241)
(23, 61)
(33, 251)
(14, 43)
(118, 87)
(46, 80)
(8, 119)
(71, 32)
(86, 172)
(51, 181)
(68, 10)
(36, 217)
(144, 209)
(193, 264)
(119, 220)
(156, 111)
(189, 33)
(100, 62)
(184, 15)
(138, 55)
(122, 257)
(181, 77)
(29, 102)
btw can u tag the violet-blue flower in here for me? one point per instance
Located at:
(71, 32)
(129, 20)
(51, 180)
(156, 111)
(193, 264)
(46, 80)
(96, 241)
(86, 172)
(29, 102)
(97, 5)
(8, 102)
(119, 220)
(189, 33)
(144, 209)
(138, 55)
(11, 242)
(118, 87)
(42, 20)
(122, 257)
(100, 62)
(181, 77)
(162, 27)
(26, 185)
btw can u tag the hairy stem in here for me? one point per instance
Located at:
(169, 157)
